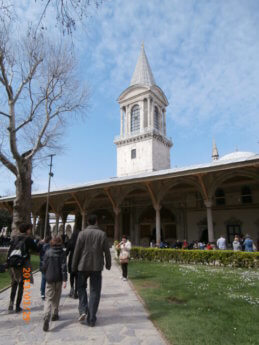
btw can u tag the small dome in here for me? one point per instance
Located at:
(237, 155)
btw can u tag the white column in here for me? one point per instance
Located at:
(208, 204)
(121, 122)
(164, 115)
(128, 120)
(158, 225)
(152, 115)
(141, 114)
(163, 121)
(148, 113)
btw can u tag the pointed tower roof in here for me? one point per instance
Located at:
(142, 74)
(215, 154)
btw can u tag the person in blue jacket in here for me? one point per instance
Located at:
(248, 244)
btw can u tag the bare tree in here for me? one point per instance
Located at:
(69, 13)
(38, 90)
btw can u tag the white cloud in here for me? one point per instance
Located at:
(204, 55)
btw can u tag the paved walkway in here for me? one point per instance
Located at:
(122, 319)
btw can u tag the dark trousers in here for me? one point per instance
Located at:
(17, 282)
(43, 284)
(90, 308)
(73, 279)
(124, 268)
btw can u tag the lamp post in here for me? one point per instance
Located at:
(47, 204)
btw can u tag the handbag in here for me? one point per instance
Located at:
(124, 256)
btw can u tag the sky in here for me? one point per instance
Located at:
(203, 54)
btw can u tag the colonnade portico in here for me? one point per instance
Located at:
(188, 195)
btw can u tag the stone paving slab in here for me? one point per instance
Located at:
(121, 318)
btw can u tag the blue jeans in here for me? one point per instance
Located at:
(43, 284)
(95, 293)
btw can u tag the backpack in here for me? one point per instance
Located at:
(18, 253)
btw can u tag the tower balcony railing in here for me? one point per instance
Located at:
(138, 132)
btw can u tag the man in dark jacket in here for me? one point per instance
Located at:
(71, 244)
(88, 259)
(26, 243)
(55, 269)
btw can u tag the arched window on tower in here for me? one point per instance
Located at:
(246, 195)
(135, 119)
(220, 197)
(156, 118)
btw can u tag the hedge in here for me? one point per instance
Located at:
(205, 257)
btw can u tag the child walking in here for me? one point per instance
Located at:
(55, 270)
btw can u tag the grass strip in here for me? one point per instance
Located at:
(200, 305)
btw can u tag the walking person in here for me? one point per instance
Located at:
(43, 247)
(18, 257)
(221, 243)
(55, 270)
(125, 247)
(88, 260)
(236, 244)
(248, 244)
(73, 275)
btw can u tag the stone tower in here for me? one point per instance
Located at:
(142, 145)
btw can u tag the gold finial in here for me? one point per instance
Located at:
(142, 44)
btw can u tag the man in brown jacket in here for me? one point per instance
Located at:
(88, 260)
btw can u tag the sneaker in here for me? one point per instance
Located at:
(82, 317)
(125, 279)
(121, 277)
(46, 325)
(18, 309)
(43, 297)
(55, 317)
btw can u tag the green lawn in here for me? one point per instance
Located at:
(200, 305)
(5, 277)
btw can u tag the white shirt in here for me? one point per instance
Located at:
(221, 243)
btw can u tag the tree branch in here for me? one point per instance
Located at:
(4, 79)
(25, 81)
(1, 112)
(38, 144)
(32, 111)
(9, 165)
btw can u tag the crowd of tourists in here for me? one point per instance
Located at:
(87, 252)
(240, 243)
(84, 256)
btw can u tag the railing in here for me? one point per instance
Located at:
(139, 132)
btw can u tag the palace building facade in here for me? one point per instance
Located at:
(150, 201)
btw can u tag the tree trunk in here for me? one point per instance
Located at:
(22, 201)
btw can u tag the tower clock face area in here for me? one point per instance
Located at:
(142, 145)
